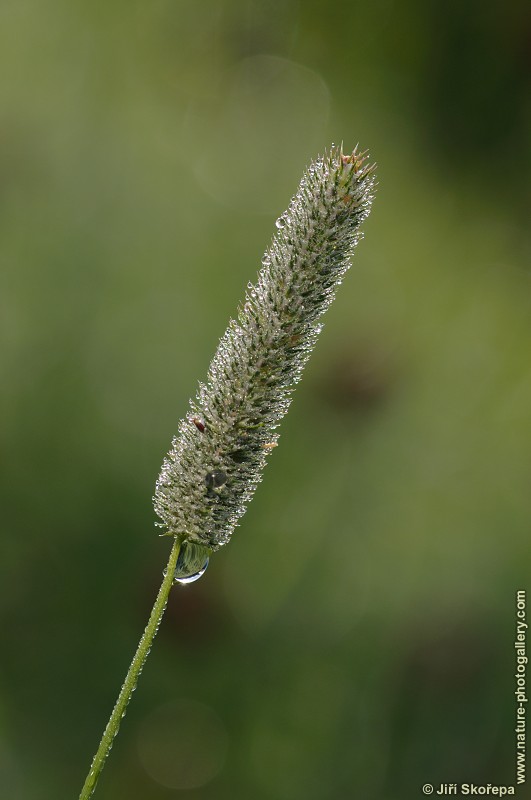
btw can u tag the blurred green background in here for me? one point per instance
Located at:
(356, 637)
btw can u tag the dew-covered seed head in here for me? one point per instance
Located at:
(217, 460)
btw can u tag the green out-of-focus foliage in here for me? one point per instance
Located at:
(355, 639)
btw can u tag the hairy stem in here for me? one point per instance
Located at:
(132, 676)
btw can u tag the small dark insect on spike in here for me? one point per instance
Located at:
(198, 424)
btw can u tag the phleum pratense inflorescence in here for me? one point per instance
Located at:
(217, 460)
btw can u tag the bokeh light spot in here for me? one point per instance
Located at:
(274, 114)
(182, 744)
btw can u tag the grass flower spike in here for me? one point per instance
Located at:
(217, 460)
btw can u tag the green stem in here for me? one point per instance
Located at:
(132, 675)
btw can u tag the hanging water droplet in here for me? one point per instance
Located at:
(281, 222)
(191, 563)
(215, 478)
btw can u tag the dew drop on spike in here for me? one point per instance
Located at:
(191, 563)
(215, 478)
